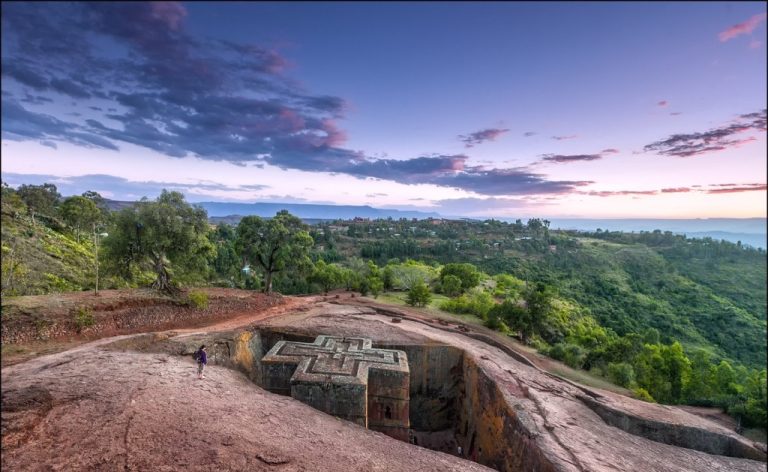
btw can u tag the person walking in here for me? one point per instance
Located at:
(202, 360)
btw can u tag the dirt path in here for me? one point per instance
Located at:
(244, 318)
(57, 308)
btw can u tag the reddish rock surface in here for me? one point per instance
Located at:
(134, 403)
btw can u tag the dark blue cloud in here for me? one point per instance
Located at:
(190, 96)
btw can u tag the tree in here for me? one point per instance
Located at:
(677, 368)
(451, 285)
(226, 263)
(328, 276)
(375, 285)
(80, 213)
(40, 199)
(101, 202)
(621, 373)
(161, 236)
(388, 277)
(12, 202)
(407, 274)
(699, 385)
(508, 286)
(419, 294)
(274, 244)
(514, 315)
(467, 273)
(538, 304)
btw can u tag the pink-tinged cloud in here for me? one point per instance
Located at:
(675, 190)
(609, 151)
(562, 138)
(570, 158)
(742, 28)
(743, 188)
(755, 44)
(717, 139)
(618, 193)
(482, 136)
(663, 103)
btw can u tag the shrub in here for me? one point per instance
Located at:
(364, 287)
(376, 286)
(642, 394)
(621, 374)
(451, 285)
(84, 318)
(571, 354)
(198, 299)
(496, 323)
(477, 303)
(419, 294)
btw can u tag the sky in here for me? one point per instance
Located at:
(503, 109)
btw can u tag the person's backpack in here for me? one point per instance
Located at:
(196, 356)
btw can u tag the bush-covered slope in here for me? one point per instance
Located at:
(632, 287)
(38, 260)
(705, 293)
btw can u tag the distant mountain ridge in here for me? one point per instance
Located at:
(302, 210)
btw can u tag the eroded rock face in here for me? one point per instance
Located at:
(463, 391)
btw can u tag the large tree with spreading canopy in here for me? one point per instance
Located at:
(164, 235)
(274, 244)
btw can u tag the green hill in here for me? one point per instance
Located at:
(38, 260)
(705, 293)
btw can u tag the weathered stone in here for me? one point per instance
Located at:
(344, 377)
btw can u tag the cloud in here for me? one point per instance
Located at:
(676, 113)
(676, 190)
(182, 95)
(563, 138)
(565, 158)
(479, 137)
(570, 158)
(20, 125)
(742, 28)
(663, 103)
(708, 189)
(506, 182)
(614, 193)
(717, 139)
(528, 134)
(374, 195)
(755, 44)
(738, 189)
(124, 189)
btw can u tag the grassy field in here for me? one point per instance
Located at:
(433, 309)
